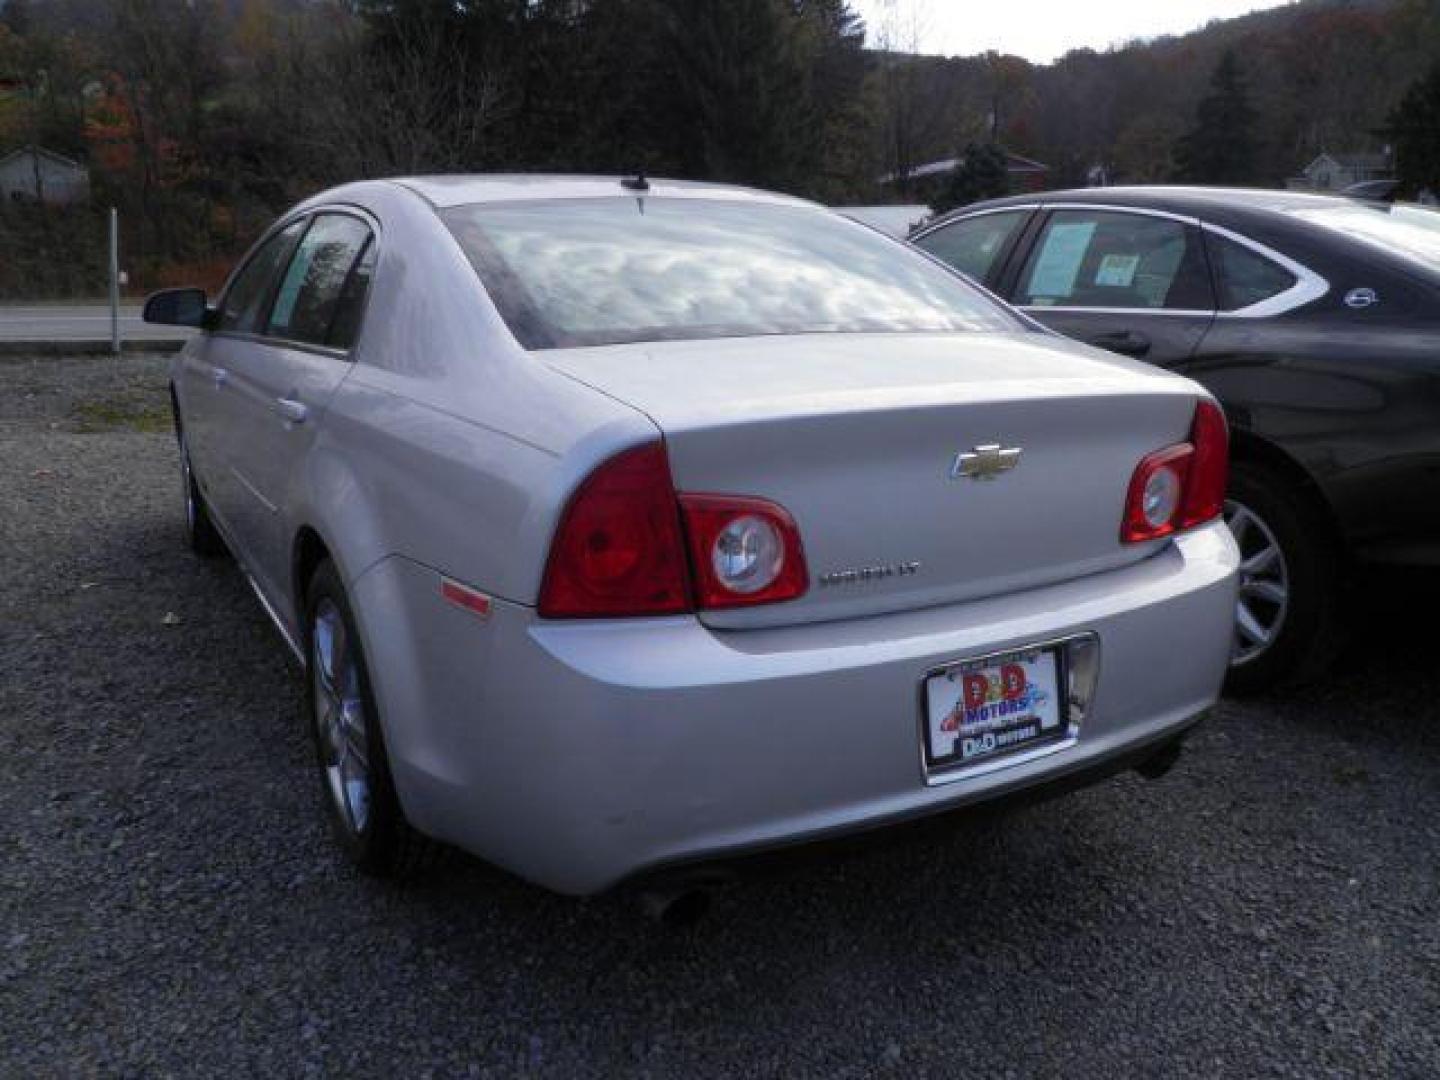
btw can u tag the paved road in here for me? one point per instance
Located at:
(170, 903)
(78, 322)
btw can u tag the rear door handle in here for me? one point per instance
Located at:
(294, 411)
(1125, 341)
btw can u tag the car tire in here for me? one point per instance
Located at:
(200, 532)
(1287, 615)
(354, 769)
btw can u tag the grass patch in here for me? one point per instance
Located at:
(122, 413)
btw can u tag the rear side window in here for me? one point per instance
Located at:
(1112, 259)
(1245, 277)
(310, 293)
(243, 308)
(576, 272)
(346, 323)
(973, 245)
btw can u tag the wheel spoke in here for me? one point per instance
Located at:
(353, 727)
(1249, 626)
(1264, 590)
(340, 717)
(1239, 523)
(1263, 561)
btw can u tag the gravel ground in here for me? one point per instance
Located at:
(170, 903)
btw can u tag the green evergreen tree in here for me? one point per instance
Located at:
(980, 173)
(1414, 129)
(1220, 147)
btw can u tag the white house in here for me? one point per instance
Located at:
(35, 173)
(1336, 172)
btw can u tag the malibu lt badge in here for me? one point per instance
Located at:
(985, 462)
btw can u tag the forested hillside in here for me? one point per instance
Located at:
(200, 119)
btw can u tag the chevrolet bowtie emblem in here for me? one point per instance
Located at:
(984, 462)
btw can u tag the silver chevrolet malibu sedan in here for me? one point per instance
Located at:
(625, 526)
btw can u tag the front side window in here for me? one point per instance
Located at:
(243, 308)
(310, 293)
(973, 245)
(578, 272)
(1245, 277)
(1112, 259)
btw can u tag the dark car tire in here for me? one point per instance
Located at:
(1307, 637)
(200, 532)
(379, 841)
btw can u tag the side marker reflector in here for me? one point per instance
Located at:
(477, 603)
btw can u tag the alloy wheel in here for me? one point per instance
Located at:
(187, 478)
(1264, 597)
(340, 717)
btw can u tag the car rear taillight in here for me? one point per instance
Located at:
(1180, 486)
(742, 551)
(620, 548)
(1209, 468)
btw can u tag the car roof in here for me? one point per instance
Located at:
(1201, 202)
(445, 191)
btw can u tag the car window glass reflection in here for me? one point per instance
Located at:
(244, 303)
(1105, 259)
(972, 246)
(605, 271)
(310, 291)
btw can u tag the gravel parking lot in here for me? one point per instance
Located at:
(170, 903)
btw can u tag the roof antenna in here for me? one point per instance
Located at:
(636, 182)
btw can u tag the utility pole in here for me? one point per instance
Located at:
(114, 282)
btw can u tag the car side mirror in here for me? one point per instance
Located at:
(178, 307)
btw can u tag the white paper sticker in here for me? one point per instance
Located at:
(1059, 262)
(1117, 270)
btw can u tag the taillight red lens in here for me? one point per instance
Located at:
(1209, 468)
(1154, 508)
(618, 550)
(743, 551)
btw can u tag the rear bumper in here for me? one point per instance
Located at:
(579, 754)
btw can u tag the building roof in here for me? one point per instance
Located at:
(1014, 163)
(40, 151)
(1365, 160)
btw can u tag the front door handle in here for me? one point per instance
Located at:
(294, 411)
(1125, 342)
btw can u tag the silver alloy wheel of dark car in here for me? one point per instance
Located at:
(339, 717)
(1264, 596)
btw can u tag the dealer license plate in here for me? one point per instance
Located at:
(979, 710)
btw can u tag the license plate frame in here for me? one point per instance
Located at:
(948, 680)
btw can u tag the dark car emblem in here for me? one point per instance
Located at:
(985, 462)
(1361, 298)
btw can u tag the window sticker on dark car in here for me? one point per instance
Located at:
(1113, 259)
(1058, 264)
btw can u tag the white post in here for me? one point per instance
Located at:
(114, 281)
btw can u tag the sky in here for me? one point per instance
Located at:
(1043, 30)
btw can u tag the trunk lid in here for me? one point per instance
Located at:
(857, 436)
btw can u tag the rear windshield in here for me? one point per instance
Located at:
(1410, 231)
(569, 273)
